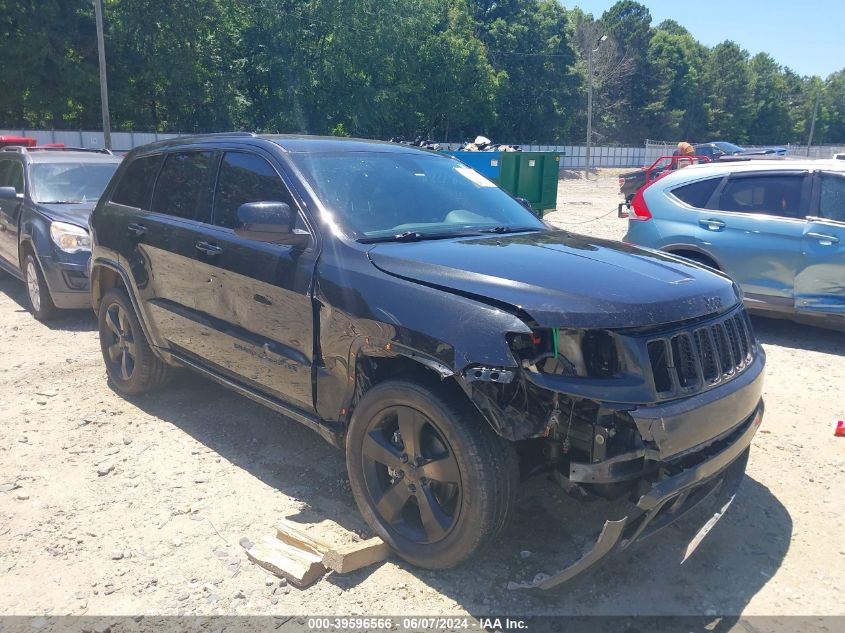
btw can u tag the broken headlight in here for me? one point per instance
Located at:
(566, 352)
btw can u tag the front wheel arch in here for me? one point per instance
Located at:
(695, 255)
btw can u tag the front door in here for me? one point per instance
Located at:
(255, 295)
(820, 284)
(756, 233)
(11, 175)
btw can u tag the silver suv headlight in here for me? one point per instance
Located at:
(69, 237)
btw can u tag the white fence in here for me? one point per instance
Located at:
(121, 141)
(572, 156)
(656, 149)
(575, 156)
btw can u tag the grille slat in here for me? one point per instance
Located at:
(693, 359)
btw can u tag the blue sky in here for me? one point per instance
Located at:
(805, 35)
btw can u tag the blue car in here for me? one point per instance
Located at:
(778, 229)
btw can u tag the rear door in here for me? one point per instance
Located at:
(820, 284)
(255, 295)
(755, 230)
(165, 239)
(11, 175)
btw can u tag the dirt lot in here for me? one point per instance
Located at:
(125, 507)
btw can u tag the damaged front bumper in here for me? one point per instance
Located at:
(718, 473)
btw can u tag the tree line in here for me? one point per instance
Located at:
(513, 70)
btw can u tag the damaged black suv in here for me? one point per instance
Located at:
(407, 309)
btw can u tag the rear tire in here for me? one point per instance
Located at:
(429, 475)
(130, 363)
(40, 301)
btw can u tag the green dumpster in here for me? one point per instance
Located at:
(531, 175)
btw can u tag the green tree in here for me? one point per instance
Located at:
(677, 62)
(49, 64)
(771, 121)
(629, 24)
(729, 92)
(529, 47)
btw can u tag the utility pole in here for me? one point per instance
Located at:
(813, 122)
(590, 52)
(815, 113)
(104, 89)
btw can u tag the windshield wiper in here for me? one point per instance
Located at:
(415, 236)
(511, 229)
(59, 202)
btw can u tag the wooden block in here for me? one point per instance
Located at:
(347, 558)
(295, 534)
(300, 566)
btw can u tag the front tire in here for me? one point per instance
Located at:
(428, 474)
(40, 301)
(130, 363)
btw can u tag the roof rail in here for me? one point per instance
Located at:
(22, 150)
(51, 148)
(227, 134)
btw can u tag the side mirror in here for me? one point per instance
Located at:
(269, 222)
(9, 193)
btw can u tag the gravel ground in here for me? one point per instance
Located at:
(115, 506)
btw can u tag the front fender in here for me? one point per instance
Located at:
(365, 312)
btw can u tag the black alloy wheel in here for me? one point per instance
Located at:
(429, 475)
(131, 365)
(412, 475)
(121, 347)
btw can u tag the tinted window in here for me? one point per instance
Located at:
(11, 175)
(182, 184)
(773, 195)
(136, 186)
(4, 171)
(245, 178)
(698, 193)
(70, 182)
(832, 201)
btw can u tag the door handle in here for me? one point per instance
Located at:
(208, 248)
(138, 230)
(712, 225)
(824, 239)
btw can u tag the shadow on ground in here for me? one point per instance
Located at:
(67, 320)
(735, 560)
(799, 335)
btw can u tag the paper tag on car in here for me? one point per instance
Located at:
(473, 176)
(705, 530)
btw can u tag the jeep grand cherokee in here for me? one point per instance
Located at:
(408, 310)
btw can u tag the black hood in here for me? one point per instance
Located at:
(564, 280)
(72, 213)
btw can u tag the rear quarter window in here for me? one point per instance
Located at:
(135, 188)
(697, 194)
